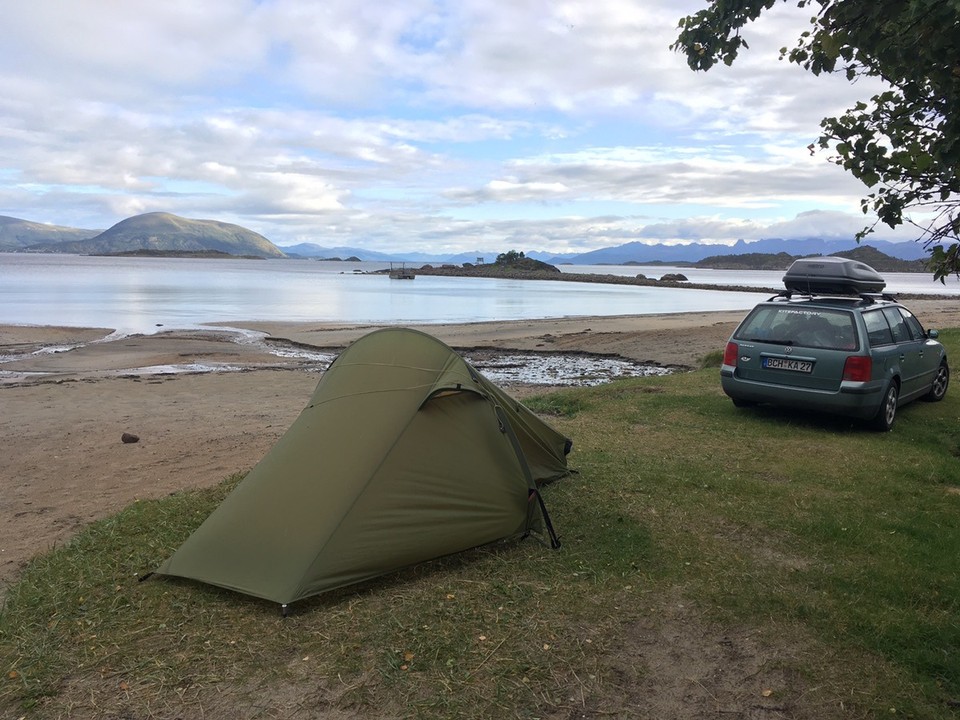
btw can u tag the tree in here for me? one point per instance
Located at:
(904, 143)
(511, 257)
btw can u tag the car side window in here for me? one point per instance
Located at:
(897, 325)
(878, 330)
(916, 329)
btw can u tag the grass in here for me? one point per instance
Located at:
(794, 563)
(712, 359)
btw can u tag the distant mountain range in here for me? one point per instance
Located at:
(164, 232)
(636, 252)
(631, 253)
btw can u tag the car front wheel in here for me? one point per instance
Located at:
(887, 413)
(940, 382)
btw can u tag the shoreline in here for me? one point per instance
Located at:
(52, 353)
(44, 353)
(64, 464)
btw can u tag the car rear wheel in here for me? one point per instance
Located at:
(887, 413)
(940, 382)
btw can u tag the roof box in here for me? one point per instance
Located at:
(832, 275)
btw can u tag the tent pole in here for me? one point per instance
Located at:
(554, 540)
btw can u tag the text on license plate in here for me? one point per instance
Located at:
(803, 366)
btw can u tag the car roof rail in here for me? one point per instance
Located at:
(865, 298)
(871, 298)
(789, 294)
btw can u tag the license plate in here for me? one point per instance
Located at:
(802, 366)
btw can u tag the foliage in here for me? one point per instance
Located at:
(511, 257)
(904, 143)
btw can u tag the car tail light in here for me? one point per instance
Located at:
(858, 368)
(730, 353)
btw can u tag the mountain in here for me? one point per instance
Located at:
(16, 234)
(638, 252)
(165, 232)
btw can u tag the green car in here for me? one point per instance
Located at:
(861, 355)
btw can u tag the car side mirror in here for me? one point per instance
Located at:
(933, 334)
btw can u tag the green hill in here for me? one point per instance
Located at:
(747, 261)
(16, 234)
(162, 232)
(879, 261)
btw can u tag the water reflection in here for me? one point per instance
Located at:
(142, 294)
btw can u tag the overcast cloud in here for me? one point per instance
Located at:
(424, 125)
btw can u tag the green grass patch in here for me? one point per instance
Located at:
(758, 558)
(712, 359)
(558, 404)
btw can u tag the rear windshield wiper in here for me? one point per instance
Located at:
(771, 341)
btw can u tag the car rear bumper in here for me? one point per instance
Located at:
(853, 399)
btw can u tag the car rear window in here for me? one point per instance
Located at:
(801, 326)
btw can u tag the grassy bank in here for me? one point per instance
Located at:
(742, 563)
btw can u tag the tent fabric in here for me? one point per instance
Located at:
(404, 453)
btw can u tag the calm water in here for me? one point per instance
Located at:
(140, 295)
(914, 283)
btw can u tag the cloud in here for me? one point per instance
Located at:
(405, 125)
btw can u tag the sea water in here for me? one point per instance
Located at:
(142, 295)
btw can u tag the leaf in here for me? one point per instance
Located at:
(923, 161)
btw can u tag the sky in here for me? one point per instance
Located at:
(437, 126)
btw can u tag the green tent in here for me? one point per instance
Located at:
(405, 453)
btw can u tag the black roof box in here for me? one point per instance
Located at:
(832, 276)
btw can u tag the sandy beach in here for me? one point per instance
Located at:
(63, 412)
